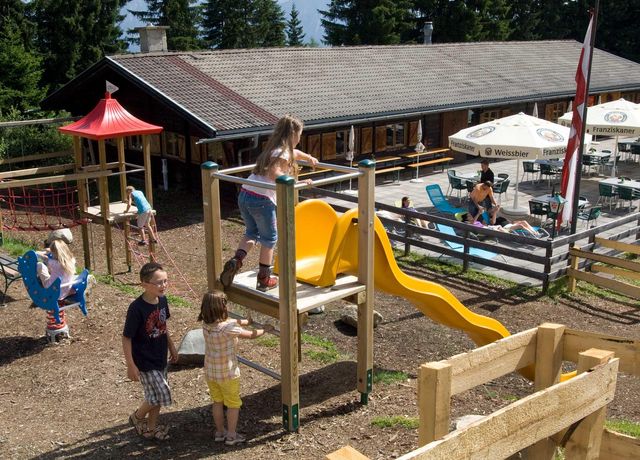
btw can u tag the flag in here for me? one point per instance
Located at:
(567, 183)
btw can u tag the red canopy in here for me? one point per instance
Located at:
(108, 120)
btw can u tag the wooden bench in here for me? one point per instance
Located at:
(438, 161)
(395, 169)
(9, 267)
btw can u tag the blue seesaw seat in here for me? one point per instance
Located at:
(47, 298)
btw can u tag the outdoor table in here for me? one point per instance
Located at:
(595, 159)
(382, 160)
(546, 198)
(555, 163)
(618, 182)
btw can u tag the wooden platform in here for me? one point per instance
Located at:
(309, 297)
(116, 213)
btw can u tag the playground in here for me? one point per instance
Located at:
(73, 399)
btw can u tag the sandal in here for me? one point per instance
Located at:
(161, 433)
(140, 424)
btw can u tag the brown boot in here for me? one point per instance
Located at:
(266, 283)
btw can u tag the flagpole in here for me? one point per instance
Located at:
(578, 173)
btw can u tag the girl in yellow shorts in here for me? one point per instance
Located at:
(221, 365)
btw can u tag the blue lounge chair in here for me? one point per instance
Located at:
(459, 247)
(440, 201)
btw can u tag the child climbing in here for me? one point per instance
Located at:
(57, 262)
(221, 363)
(145, 342)
(145, 214)
(258, 205)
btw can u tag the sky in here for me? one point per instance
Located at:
(308, 13)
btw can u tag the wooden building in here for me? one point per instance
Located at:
(230, 99)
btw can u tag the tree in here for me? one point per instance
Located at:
(73, 34)
(243, 23)
(295, 35)
(181, 16)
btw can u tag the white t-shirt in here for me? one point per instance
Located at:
(271, 194)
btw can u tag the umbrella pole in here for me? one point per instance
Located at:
(615, 158)
(515, 195)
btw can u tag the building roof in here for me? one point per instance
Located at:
(109, 120)
(231, 91)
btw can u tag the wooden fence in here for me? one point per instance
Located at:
(544, 260)
(568, 414)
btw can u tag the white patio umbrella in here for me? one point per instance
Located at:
(419, 149)
(615, 118)
(349, 155)
(519, 137)
(535, 110)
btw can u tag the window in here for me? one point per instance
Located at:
(396, 135)
(555, 110)
(175, 145)
(134, 143)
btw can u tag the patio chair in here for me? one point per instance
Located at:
(439, 201)
(539, 210)
(548, 170)
(610, 162)
(459, 247)
(503, 176)
(530, 168)
(607, 192)
(627, 194)
(456, 183)
(588, 161)
(588, 216)
(500, 188)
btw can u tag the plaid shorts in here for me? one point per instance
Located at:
(156, 387)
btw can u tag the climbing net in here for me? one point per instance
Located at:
(41, 207)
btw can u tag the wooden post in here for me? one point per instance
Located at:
(586, 439)
(547, 269)
(82, 200)
(123, 197)
(212, 224)
(104, 206)
(571, 285)
(549, 350)
(434, 401)
(148, 183)
(289, 384)
(366, 232)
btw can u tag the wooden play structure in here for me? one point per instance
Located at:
(292, 300)
(617, 268)
(570, 414)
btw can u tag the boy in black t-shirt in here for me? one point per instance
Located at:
(145, 341)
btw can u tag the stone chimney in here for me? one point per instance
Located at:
(152, 38)
(427, 30)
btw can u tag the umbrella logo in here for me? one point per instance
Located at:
(481, 132)
(550, 135)
(615, 117)
(488, 152)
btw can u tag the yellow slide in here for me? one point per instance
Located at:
(327, 245)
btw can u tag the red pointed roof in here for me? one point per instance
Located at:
(107, 120)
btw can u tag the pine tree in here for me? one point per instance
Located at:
(524, 20)
(181, 16)
(368, 22)
(243, 23)
(73, 34)
(295, 35)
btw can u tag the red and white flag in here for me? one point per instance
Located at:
(568, 182)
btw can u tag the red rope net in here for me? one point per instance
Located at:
(40, 207)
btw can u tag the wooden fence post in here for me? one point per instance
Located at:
(434, 401)
(571, 285)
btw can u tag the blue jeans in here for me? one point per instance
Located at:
(259, 215)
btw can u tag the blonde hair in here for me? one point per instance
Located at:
(129, 189)
(63, 255)
(214, 307)
(281, 138)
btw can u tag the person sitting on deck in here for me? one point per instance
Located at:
(505, 226)
(481, 198)
(408, 205)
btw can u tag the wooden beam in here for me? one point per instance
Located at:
(434, 401)
(103, 187)
(626, 349)
(148, 183)
(615, 261)
(586, 439)
(618, 446)
(492, 361)
(574, 262)
(53, 179)
(614, 285)
(618, 245)
(346, 453)
(36, 157)
(82, 200)
(212, 225)
(528, 420)
(35, 171)
(289, 382)
(615, 272)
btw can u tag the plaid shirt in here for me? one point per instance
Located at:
(220, 350)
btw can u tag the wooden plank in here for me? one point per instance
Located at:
(615, 272)
(386, 170)
(381, 138)
(103, 191)
(35, 157)
(585, 441)
(367, 140)
(148, 184)
(617, 286)
(618, 446)
(53, 179)
(618, 245)
(626, 349)
(434, 401)
(430, 162)
(549, 350)
(571, 286)
(412, 134)
(34, 171)
(328, 146)
(346, 453)
(615, 261)
(492, 361)
(313, 145)
(528, 420)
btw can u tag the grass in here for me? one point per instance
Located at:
(387, 377)
(624, 426)
(16, 247)
(268, 341)
(134, 291)
(395, 421)
(324, 351)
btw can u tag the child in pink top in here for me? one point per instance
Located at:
(221, 364)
